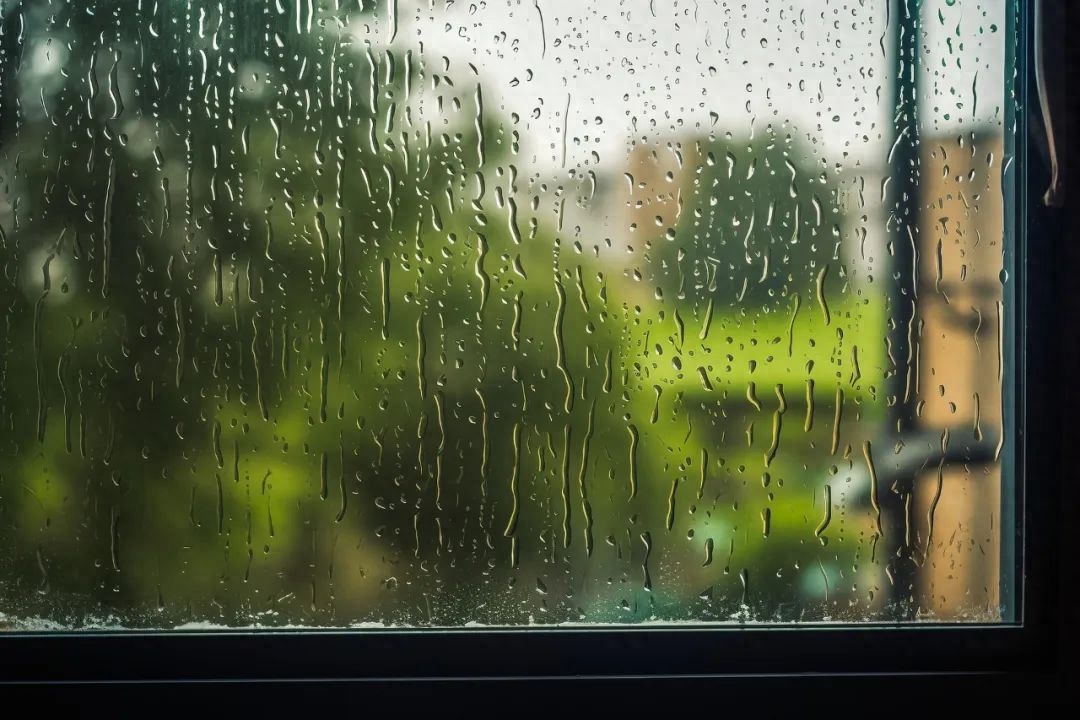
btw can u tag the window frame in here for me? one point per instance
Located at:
(971, 655)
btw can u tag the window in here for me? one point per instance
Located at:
(349, 314)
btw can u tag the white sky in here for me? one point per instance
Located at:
(657, 69)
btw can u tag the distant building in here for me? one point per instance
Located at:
(959, 374)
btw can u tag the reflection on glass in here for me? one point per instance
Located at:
(424, 313)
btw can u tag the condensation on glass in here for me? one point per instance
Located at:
(342, 312)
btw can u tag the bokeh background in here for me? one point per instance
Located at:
(341, 312)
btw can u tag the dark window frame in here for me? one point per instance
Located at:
(959, 655)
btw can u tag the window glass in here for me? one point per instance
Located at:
(415, 313)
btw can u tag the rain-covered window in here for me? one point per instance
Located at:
(503, 312)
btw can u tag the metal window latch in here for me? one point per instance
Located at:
(1051, 84)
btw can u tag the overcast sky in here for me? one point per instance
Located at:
(655, 69)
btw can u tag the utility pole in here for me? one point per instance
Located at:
(895, 495)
